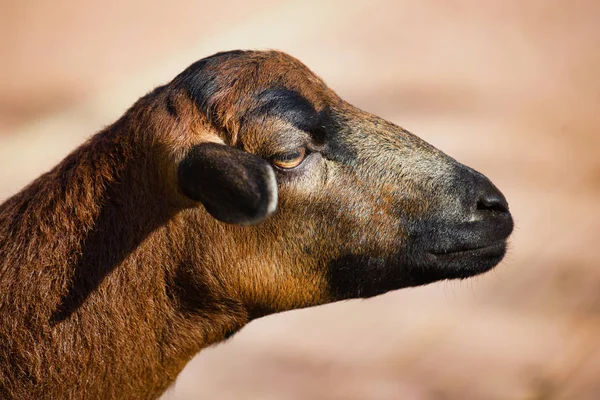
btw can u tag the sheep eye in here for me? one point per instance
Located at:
(290, 160)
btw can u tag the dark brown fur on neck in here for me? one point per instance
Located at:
(94, 297)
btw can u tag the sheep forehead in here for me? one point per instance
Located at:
(238, 77)
(237, 88)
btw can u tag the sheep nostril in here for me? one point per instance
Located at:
(492, 201)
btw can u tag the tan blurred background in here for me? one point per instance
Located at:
(511, 88)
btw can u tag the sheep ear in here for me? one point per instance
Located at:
(234, 186)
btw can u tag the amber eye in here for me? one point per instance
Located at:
(290, 160)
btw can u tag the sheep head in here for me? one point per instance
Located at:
(295, 198)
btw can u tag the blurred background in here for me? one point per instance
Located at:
(509, 87)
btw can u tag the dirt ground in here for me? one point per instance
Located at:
(511, 88)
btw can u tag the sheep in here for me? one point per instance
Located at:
(242, 188)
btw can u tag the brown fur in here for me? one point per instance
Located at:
(111, 279)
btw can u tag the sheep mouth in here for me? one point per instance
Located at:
(464, 262)
(470, 251)
(470, 248)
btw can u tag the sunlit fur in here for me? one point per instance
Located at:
(111, 279)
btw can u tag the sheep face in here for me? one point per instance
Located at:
(311, 200)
